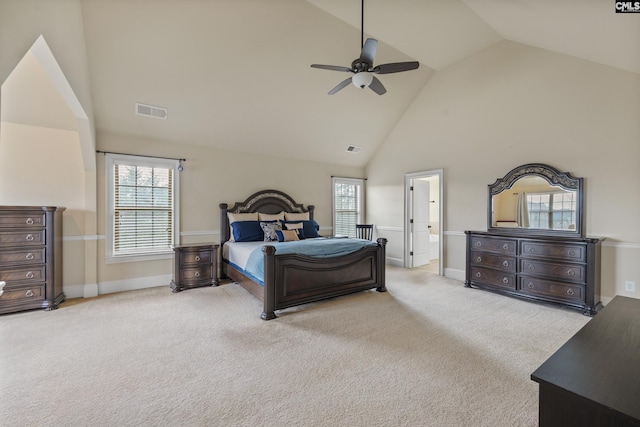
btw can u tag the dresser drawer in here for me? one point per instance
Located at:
(572, 272)
(497, 245)
(194, 275)
(493, 277)
(193, 258)
(34, 273)
(22, 256)
(485, 259)
(22, 220)
(568, 252)
(548, 288)
(31, 293)
(22, 238)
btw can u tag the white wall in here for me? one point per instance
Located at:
(508, 105)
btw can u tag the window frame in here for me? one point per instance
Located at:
(111, 159)
(360, 210)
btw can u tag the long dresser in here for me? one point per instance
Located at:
(30, 258)
(559, 270)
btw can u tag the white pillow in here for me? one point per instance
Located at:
(294, 226)
(296, 216)
(271, 217)
(233, 217)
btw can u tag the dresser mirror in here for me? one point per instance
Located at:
(536, 199)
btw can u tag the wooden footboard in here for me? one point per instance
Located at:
(292, 279)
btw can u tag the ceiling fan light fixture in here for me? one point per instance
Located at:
(362, 79)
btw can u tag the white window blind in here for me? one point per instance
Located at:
(142, 207)
(348, 200)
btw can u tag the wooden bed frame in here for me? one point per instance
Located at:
(292, 279)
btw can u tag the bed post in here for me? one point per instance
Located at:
(224, 236)
(382, 259)
(311, 210)
(269, 299)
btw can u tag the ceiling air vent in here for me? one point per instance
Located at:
(151, 111)
(353, 149)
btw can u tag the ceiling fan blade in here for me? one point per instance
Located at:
(341, 85)
(377, 86)
(396, 67)
(368, 52)
(332, 67)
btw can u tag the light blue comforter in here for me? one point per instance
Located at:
(320, 248)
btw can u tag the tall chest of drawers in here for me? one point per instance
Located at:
(560, 270)
(30, 258)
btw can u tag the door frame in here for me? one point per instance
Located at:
(408, 209)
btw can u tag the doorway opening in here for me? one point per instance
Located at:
(423, 221)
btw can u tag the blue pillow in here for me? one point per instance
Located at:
(247, 231)
(309, 227)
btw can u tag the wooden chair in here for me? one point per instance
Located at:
(364, 231)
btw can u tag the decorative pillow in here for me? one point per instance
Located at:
(287, 235)
(296, 216)
(310, 228)
(247, 231)
(271, 217)
(270, 229)
(233, 217)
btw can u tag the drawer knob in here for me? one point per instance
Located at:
(505, 280)
(570, 292)
(572, 253)
(505, 263)
(197, 274)
(197, 258)
(2, 283)
(531, 267)
(571, 273)
(531, 249)
(29, 237)
(29, 293)
(30, 256)
(29, 275)
(478, 275)
(530, 285)
(29, 221)
(505, 246)
(478, 243)
(479, 259)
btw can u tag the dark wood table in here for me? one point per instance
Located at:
(594, 379)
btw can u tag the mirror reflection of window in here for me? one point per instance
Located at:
(552, 210)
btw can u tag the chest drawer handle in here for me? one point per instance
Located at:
(478, 275)
(478, 244)
(530, 285)
(505, 263)
(531, 249)
(479, 259)
(29, 237)
(2, 283)
(29, 293)
(30, 256)
(29, 221)
(505, 246)
(505, 280)
(197, 258)
(531, 267)
(572, 253)
(29, 275)
(197, 274)
(570, 292)
(571, 273)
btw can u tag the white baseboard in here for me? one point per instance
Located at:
(396, 262)
(93, 290)
(454, 273)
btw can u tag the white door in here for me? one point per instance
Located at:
(420, 223)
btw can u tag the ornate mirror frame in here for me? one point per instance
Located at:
(556, 178)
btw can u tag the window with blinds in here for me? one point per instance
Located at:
(347, 205)
(142, 207)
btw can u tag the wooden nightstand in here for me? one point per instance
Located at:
(195, 265)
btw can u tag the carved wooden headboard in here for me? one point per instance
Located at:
(265, 201)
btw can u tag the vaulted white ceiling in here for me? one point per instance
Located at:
(234, 74)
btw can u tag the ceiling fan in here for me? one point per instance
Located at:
(363, 69)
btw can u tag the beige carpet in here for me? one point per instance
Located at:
(427, 353)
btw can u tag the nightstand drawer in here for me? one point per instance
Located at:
(202, 257)
(196, 274)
